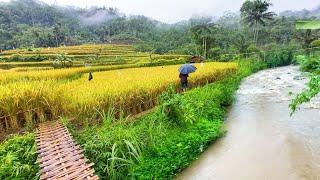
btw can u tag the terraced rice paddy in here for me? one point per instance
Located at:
(51, 96)
(100, 54)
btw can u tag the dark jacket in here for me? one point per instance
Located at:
(183, 77)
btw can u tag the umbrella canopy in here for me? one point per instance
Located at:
(187, 69)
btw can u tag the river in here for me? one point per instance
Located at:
(263, 141)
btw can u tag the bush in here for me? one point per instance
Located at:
(308, 63)
(18, 158)
(143, 47)
(190, 49)
(215, 53)
(253, 49)
(62, 61)
(315, 43)
(20, 58)
(175, 108)
(307, 94)
(278, 56)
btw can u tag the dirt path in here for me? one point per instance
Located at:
(263, 142)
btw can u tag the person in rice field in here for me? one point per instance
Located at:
(185, 70)
(183, 81)
(90, 76)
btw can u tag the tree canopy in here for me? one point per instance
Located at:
(29, 23)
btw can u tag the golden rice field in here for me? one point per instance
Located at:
(100, 54)
(124, 89)
(48, 73)
(108, 49)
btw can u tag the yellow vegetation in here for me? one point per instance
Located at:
(123, 89)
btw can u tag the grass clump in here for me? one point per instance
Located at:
(18, 158)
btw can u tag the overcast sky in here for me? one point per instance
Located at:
(172, 11)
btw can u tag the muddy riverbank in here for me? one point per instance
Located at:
(263, 142)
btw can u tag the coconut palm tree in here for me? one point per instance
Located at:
(256, 13)
(203, 31)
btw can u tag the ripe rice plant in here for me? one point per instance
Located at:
(102, 53)
(128, 90)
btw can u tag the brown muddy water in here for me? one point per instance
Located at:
(263, 142)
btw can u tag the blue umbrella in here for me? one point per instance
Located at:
(187, 69)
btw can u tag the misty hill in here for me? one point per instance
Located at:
(31, 23)
(303, 14)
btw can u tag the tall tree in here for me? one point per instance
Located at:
(203, 32)
(255, 13)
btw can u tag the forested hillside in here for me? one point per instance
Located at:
(29, 23)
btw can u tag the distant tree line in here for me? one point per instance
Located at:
(29, 23)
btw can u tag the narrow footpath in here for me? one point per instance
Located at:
(263, 142)
(59, 156)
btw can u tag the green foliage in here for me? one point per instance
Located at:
(308, 24)
(202, 34)
(253, 49)
(306, 95)
(278, 56)
(255, 13)
(62, 61)
(315, 43)
(143, 47)
(18, 158)
(177, 109)
(30, 28)
(215, 53)
(189, 49)
(20, 58)
(309, 64)
(116, 148)
(177, 150)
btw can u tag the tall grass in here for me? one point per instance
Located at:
(18, 158)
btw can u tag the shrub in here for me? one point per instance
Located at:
(215, 53)
(190, 49)
(175, 108)
(20, 58)
(62, 61)
(15, 58)
(143, 47)
(253, 49)
(307, 94)
(315, 43)
(278, 56)
(308, 63)
(18, 158)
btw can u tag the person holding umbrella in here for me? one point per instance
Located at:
(184, 71)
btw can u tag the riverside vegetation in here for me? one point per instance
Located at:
(309, 64)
